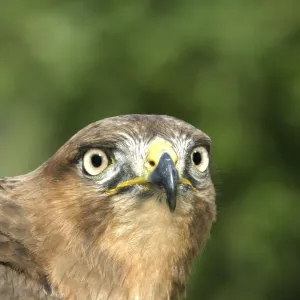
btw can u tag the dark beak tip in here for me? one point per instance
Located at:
(172, 207)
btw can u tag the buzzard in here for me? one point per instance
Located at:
(119, 212)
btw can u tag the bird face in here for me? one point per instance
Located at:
(140, 159)
(158, 170)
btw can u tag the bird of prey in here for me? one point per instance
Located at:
(119, 212)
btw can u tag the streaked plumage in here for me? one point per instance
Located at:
(67, 234)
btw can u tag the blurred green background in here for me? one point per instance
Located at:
(231, 68)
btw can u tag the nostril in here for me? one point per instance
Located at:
(151, 163)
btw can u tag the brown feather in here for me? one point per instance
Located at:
(61, 232)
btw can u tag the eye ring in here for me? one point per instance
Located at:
(95, 161)
(200, 158)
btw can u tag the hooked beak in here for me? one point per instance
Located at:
(166, 176)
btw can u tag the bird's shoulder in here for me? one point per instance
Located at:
(17, 286)
(20, 276)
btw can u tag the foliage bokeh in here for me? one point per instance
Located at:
(231, 68)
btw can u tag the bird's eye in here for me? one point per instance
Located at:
(95, 161)
(200, 158)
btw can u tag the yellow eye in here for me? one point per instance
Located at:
(95, 161)
(200, 158)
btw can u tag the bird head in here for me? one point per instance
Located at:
(128, 197)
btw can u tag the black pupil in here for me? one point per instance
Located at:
(96, 160)
(197, 158)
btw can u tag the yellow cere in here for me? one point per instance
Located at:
(155, 152)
